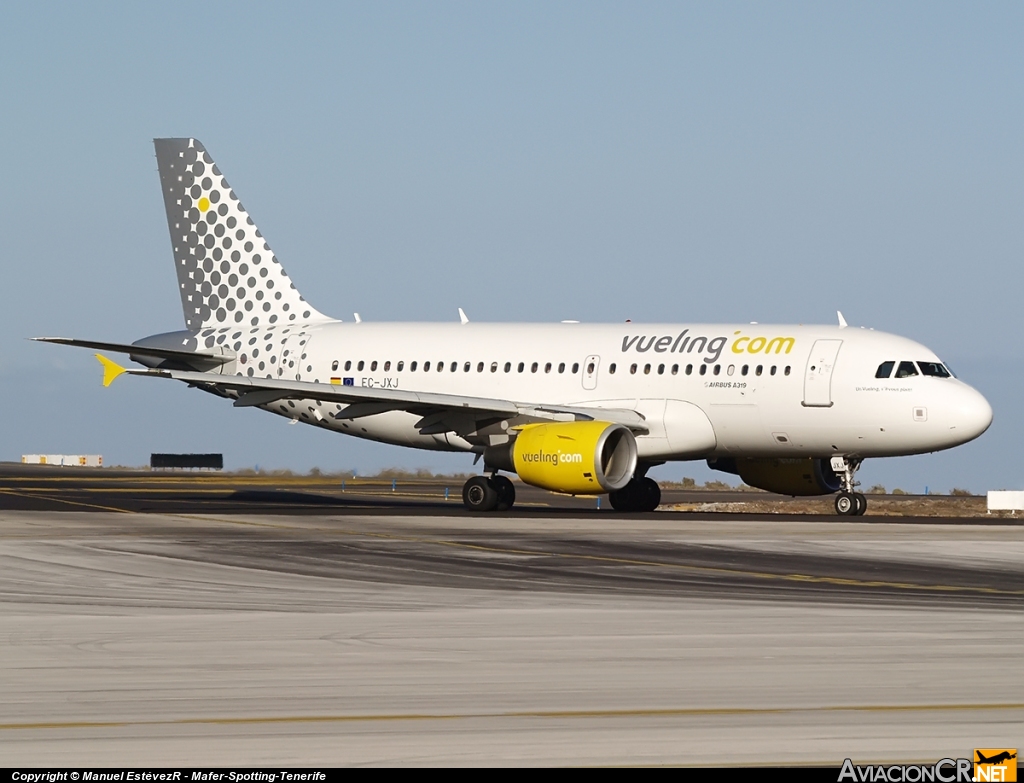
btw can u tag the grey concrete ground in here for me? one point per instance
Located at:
(183, 639)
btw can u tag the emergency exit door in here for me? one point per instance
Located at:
(818, 377)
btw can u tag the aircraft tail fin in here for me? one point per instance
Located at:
(227, 274)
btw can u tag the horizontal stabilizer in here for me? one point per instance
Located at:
(201, 361)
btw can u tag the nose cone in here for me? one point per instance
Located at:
(971, 414)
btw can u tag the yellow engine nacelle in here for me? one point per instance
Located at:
(807, 476)
(575, 457)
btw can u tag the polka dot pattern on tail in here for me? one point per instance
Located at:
(204, 215)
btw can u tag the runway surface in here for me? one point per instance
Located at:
(342, 632)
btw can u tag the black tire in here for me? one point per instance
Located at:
(638, 495)
(649, 494)
(846, 504)
(862, 503)
(624, 499)
(479, 495)
(506, 492)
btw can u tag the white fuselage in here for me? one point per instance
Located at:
(705, 390)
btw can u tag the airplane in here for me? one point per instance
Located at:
(579, 409)
(996, 759)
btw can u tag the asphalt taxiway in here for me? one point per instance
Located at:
(197, 627)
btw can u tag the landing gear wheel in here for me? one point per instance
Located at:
(846, 504)
(638, 495)
(506, 492)
(649, 496)
(862, 503)
(478, 494)
(624, 499)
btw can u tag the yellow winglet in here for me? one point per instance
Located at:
(111, 369)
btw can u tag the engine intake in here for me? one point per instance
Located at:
(576, 457)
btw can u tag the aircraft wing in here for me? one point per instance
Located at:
(439, 412)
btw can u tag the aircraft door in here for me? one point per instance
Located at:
(818, 376)
(294, 350)
(590, 367)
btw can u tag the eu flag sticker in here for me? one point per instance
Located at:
(349, 382)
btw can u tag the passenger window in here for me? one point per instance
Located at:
(745, 369)
(494, 366)
(521, 367)
(884, 369)
(933, 369)
(611, 368)
(508, 366)
(479, 366)
(426, 366)
(787, 369)
(412, 366)
(547, 367)
(401, 366)
(387, 366)
(675, 369)
(689, 369)
(591, 368)
(360, 365)
(454, 367)
(561, 367)
(731, 369)
(703, 369)
(773, 370)
(348, 365)
(906, 370)
(718, 369)
(576, 368)
(373, 365)
(759, 369)
(467, 367)
(334, 365)
(647, 369)
(661, 369)
(632, 369)
(533, 367)
(440, 366)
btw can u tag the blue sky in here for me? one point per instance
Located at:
(525, 161)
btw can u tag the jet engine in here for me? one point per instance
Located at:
(576, 457)
(807, 476)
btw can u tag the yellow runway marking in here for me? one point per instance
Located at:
(519, 714)
(68, 502)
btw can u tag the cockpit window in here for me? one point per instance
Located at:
(884, 369)
(905, 370)
(934, 369)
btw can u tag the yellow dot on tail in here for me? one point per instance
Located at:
(204, 204)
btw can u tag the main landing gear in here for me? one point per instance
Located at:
(640, 494)
(489, 493)
(848, 502)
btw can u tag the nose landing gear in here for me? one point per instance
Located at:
(848, 502)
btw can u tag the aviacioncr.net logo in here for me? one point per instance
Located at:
(942, 771)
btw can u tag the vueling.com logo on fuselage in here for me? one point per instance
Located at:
(553, 458)
(711, 347)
